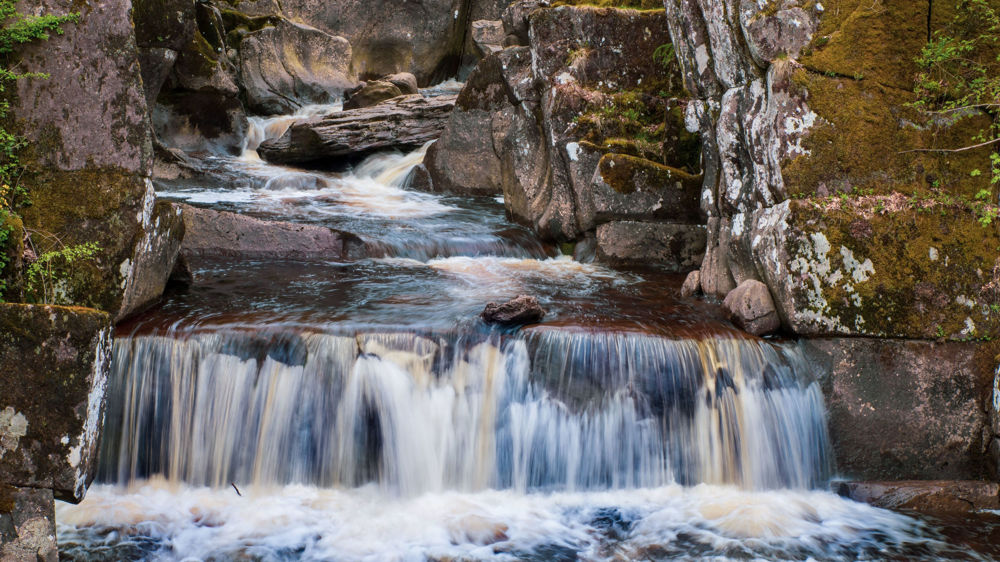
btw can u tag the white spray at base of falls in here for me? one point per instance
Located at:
(552, 411)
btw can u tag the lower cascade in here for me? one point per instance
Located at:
(413, 414)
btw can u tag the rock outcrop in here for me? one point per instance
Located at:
(572, 132)
(406, 122)
(290, 65)
(222, 234)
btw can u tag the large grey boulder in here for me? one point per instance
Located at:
(406, 122)
(751, 307)
(222, 234)
(290, 65)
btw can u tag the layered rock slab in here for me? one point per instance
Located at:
(406, 122)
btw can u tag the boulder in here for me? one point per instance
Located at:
(676, 247)
(904, 410)
(372, 93)
(692, 284)
(222, 234)
(54, 365)
(926, 496)
(522, 309)
(89, 154)
(406, 82)
(425, 38)
(751, 308)
(487, 36)
(289, 65)
(405, 123)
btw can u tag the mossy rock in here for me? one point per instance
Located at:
(866, 137)
(54, 364)
(888, 266)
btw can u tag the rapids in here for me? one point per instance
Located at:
(328, 411)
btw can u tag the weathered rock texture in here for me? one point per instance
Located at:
(54, 364)
(751, 307)
(89, 153)
(800, 99)
(524, 309)
(905, 410)
(290, 65)
(27, 525)
(557, 126)
(936, 497)
(219, 233)
(405, 122)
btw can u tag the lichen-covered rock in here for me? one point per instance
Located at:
(801, 99)
(405, 122)
(27, 525)
(676, 247)
(930, 393)
(888, 266)
(630, 188)
(54, 364)
(154, 260)
(751, 307)
(286, 66)
(219, 233)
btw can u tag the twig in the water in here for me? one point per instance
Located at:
(233, 484)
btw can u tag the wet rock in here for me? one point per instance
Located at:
(488, 36)
(154, 260)
(523, 309)
(925, 496)
(372, 93)
(904, 410)
(425, 38)
(404, 123)
(291, 65)
(219, 233)
(692, 284)
(406, 82)
(751, 308)
(54, 365)
(515, 19)
(677, 247)
(27, 525)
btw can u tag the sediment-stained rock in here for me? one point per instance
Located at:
(904, 410)
(223, 234)
(406, 122)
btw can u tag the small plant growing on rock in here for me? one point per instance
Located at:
(47, 275)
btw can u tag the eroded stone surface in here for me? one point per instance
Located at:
(54, 364)
(27, 525)
(926, 496)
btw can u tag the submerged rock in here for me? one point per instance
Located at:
(406, 122)
(220, 233)
(523, 309)
(751, 307)
(290, 65)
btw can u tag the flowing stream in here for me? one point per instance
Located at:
(317, 410)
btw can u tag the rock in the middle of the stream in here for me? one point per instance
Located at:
(523, 309)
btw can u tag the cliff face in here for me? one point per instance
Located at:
(798, 102)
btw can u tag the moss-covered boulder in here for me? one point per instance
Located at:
(54, 364)
(890, 266)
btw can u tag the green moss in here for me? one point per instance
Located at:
(933, 266)
(623, 173)
(633, 4)
(865, 138)
(238, 24)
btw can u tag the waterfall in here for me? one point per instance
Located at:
(549, 410)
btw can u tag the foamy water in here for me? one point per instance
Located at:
(177, 522)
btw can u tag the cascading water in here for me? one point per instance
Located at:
(326, 411)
